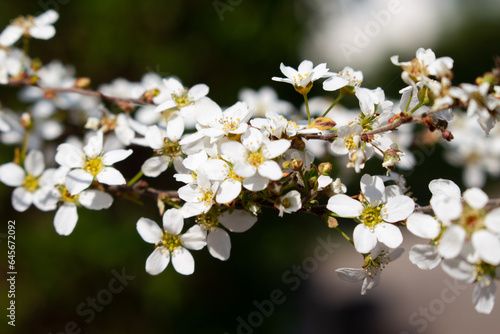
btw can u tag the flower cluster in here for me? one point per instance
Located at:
(257, 153)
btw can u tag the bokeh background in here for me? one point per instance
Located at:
(239, 47)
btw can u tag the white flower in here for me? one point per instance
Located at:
(369, 273)
(170, 243)
(199, 197)
(29, 182)
(423, 65)
(347, 77)
(291, 202)
(218, 123)
(376, 213)
(486, 107)
(230, 184)
(482, 274)
(90, 163)
(469, 222)
(263, 100)
(218, 241)
(253, 158)
(38, 27)
(166, 144)
(304, 77)
(11, 64)
(183, 99)
(338, 187)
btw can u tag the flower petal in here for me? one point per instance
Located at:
(228, 191)
(487, 246)
(476, 198)
(21, 199)
(157, 261)
(459, 269)
(351, 274)
(483, 297)
(65, 219)
(388, 234)
(95, 199)
(195, 238)
(451, 242)
(154, 166)
(69, 156)
(34, 163)
(94, 145)
(173, 222)
(492, 220)
(364, 239)
(271, 170)
(446, 187)
(183, 261)
(111, 157)
(373, 189)
(398, 208)
(149, 230)
(345, 206)
(238, 221)
(110, 176)
(42, 32)
(12, 174)
(425, 257)
(256, 183)
(10, 35)
(219, 244)
(423, 226)
(78, 180)
(154, 137)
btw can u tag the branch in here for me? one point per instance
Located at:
(48, 90)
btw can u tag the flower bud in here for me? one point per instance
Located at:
(325, 168)
(296, 164)
(275, 187)
(254, 208)
(332, 222)
(82, 83)
(286, 165)
(26, 121)
(322, 123)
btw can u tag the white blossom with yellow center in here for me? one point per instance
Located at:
(29, 181)
(90, 164)
(253, 158)
(376, 214)
(170, 243)
(305, 75)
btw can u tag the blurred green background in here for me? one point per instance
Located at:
(109, 39)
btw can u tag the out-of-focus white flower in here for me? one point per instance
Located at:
(40, 27)
(263, 100)
(170, 243)
(29, 182)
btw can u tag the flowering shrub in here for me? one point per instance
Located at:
(258, 153)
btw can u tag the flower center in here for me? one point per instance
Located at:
(229, 124)
(66, 196)
(484, 269)
(208, 220)
(371, 216)
(416, 69)
(93, 165)
(171, 148)
(182, 100)
(206, 196)
(349, 142)
(25, 22)
(471, 219)
(30, 183)
(256, 158)
(347, 75)
(286, 203)
(171, 241)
